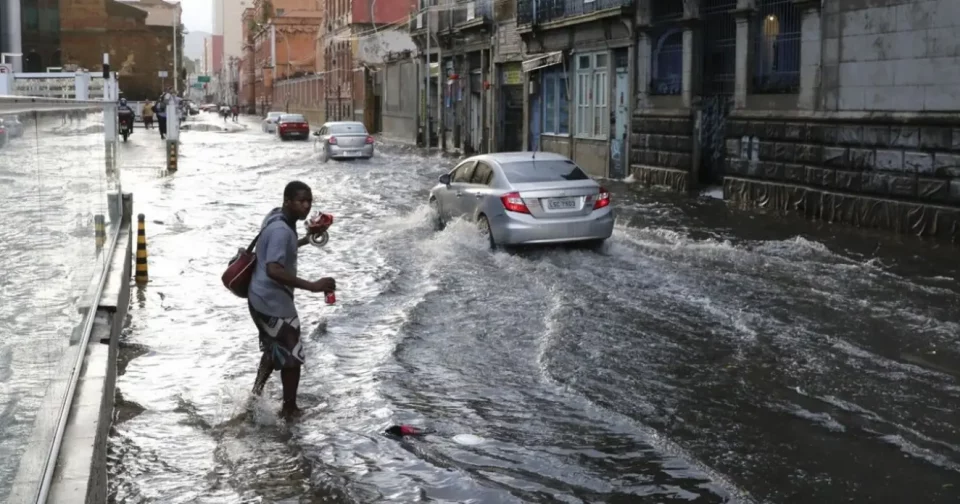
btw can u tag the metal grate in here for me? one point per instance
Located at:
(776, 61)
(719, 46)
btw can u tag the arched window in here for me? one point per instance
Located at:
(666, 61)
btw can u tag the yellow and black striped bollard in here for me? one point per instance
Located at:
(172, 148)
(99, 231)
(141, 273)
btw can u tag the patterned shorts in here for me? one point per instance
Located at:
(280, 337)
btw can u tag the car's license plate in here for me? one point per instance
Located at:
(353, 153)
(562, 204)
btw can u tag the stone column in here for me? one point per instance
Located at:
(692, 53)
(810, 53)
(643, 50)
(744, 14)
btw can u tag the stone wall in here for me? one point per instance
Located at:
(898, 174)
(137, 54)
(891, 55)
(661, 149)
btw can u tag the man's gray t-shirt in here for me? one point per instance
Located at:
(277, 244)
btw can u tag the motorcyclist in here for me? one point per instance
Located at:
(125, 113)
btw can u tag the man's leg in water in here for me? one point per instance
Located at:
(290, 377)
(263, 373)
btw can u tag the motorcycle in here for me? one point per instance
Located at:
(126, 125)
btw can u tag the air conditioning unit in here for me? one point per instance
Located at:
(471, 10)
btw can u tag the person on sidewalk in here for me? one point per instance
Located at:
(270, 297)
(161, 110)
(147, 114)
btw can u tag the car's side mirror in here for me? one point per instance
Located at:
(445, 179)
(316, 133)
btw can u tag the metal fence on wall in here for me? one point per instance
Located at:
(60, 196)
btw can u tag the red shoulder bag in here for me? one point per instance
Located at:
(239, 271)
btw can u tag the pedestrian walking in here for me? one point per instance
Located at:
(161, 110)
(147, 114)
(270, 298)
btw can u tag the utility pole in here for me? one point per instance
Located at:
(426, 81)
(441, 141)
(176, 21)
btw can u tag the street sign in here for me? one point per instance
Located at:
(203, 78)
(162, 74)
(197, 85)
(6, 68)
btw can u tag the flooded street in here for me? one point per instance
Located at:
(704, 355)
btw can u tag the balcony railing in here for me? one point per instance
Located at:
(458, 13)
(544, 11)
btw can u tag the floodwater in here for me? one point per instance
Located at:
(705, 355)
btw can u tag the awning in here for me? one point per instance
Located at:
(543, 61)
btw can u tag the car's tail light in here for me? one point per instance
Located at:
(369, 139)
(603, 199)
(332, 141)
(512, 202)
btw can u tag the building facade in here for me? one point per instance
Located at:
(844, 111)
(40, 31)
(280, 44)
(577, 69)
(351, 91)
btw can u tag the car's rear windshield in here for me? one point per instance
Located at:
(292, 118)
(348, 129)
(553, 170)
(272, 114)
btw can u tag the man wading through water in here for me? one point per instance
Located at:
(271, 293)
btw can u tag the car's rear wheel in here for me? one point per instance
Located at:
(485, 231)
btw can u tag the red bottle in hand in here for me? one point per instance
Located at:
(331, 297)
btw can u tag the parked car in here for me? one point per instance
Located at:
(293, 126)
(13, 125)
(344, 140)
(525, 198)
(269, 124)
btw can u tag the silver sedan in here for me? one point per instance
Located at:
(525, 198)
(269, 124)
(343, 140)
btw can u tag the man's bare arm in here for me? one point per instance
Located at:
(279, 274)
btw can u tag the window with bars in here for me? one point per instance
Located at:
(592, 119)
(776, 47)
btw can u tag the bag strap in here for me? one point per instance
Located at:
(254, 242)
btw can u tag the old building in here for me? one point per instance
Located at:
(468, 73)
(578, 70)
(280, 45)
(841, 110)
(137, 50)
(350, 88)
